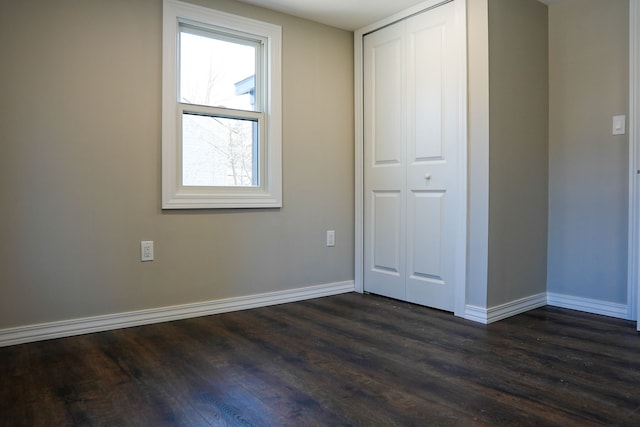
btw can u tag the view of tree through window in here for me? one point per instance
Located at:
(219, 147)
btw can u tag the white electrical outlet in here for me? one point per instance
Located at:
(331, 238)
(146, 250)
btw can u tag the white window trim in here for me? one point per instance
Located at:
(174, 195)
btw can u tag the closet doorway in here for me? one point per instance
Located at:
(414, 158)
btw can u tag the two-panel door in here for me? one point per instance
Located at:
(411, 144)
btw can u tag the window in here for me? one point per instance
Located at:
(221, 125)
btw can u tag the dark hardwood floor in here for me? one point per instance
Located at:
(343, 360)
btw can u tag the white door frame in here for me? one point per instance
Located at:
(633, 299)
(461, 218)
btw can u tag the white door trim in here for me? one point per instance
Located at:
(461, 219)
(634, 164)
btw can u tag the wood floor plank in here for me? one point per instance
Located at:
(219, 396)
(350, 359)
(422, 376)
(268, 375)
(374, 391)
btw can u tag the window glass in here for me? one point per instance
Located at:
(219, 151)
(216, 73)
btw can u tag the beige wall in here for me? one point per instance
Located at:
(586, 225)
(588, 167)
(80, 161)
(80, 91)
(518, 152)
(478, 152)
(508, 104)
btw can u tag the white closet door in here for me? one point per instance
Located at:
(385, 159)
(410, 161)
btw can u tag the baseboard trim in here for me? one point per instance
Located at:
(67, 328)
(499, 312)
(475, 314)
(588, 305)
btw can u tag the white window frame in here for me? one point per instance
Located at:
(268, 194)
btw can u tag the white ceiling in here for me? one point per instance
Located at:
(345, 14)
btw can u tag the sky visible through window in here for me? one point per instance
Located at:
(217, 151)
(210, 68)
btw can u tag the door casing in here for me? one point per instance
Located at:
(633, 285)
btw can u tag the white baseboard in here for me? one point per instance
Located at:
(67, 328)
(493, 314)
(499, 312)
(604, 308)
(475, 314)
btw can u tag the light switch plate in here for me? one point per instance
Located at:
(331, 238)
(619, 125)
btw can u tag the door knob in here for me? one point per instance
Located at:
(427, 176)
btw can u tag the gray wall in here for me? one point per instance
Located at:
(518, 150)
(508, 156)
(588, 198)
(478, 152)
(80, 95)
(80, 161)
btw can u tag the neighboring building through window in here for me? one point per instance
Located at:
(221, 110)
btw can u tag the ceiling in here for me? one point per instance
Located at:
(346, 14)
